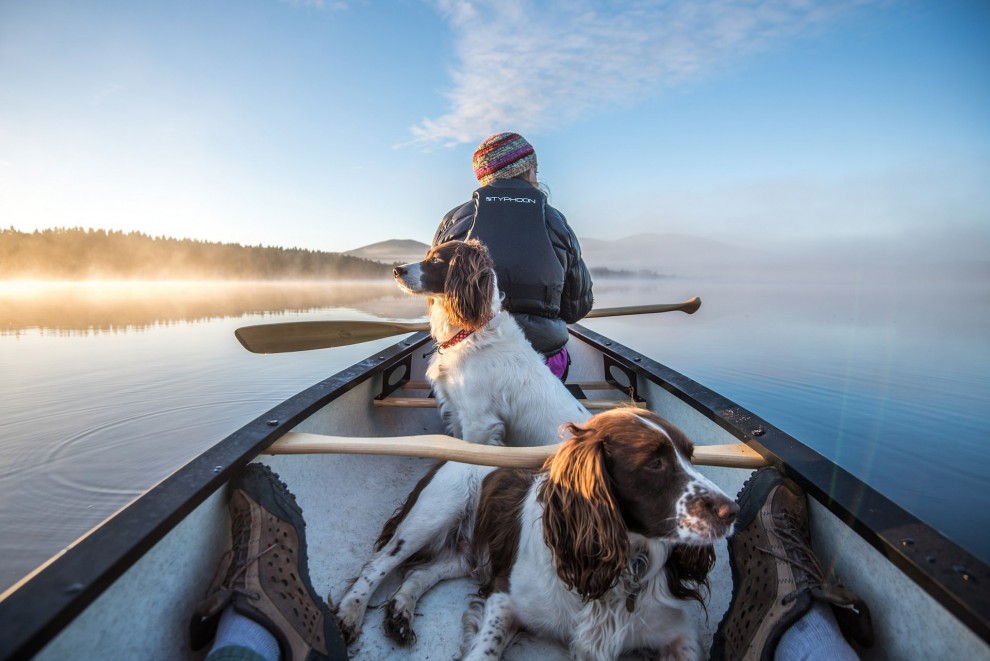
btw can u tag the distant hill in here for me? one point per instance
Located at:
(393, 251)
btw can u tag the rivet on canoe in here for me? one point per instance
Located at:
(608, 344)
(637, 359)
(907, 541)
(217, 469)
(966, 574)
(73, 588)
(930, 559)
(758, 431)
(272, 423)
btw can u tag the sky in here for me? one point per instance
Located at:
(333, 125)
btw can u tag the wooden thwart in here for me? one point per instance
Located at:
(440, 446)
(583, 385)
(597, 404)
(430, 403)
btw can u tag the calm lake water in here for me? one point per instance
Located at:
(107, 389)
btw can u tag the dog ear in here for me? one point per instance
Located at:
(469, 286)
(581, 520)
(687, 571)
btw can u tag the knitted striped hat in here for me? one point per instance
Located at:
(502, 156)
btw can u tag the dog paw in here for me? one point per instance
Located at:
(348, 631)
(398, 624)
(348, 624)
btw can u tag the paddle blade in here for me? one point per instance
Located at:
(308, 335)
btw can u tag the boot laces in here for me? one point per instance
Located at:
(241, 559)
(798, 554)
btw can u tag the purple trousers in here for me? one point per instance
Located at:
(558, 363)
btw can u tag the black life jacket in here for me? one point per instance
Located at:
(512, 224)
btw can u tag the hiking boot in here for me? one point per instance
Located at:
(265, 574)
(775, 574)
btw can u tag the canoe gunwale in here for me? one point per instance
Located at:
(38, 607)
(948, 573)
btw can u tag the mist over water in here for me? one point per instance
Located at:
(108, 389)
(95, 306)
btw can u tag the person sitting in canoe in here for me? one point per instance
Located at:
(537, 256)
(262, 605)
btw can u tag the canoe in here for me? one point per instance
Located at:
(127, 588)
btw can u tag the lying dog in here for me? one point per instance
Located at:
(601, 549)
(491, 386)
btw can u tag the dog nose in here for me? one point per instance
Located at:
(727, 510)
(720, 507)
(399, 271)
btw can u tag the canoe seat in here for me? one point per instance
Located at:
(424, 397)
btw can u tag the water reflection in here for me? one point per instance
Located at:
(87, 307)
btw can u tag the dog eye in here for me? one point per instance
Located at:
(655, 463)
(435, 260)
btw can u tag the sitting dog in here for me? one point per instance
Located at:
(491, 386)
(601, 549)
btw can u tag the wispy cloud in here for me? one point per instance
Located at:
(533, 65)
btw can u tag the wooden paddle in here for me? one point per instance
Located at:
(439, 446)
(307, 335)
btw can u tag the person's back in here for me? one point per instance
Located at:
(545, 282)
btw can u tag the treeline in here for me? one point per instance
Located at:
(78, 254)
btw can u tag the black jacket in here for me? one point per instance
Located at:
(545, 282)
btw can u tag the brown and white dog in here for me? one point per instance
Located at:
(601, 549)
(491, 386)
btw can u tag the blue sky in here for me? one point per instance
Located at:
(332, 125)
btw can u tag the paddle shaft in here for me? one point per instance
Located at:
(308, 335)
(689, 306)
(448, 448)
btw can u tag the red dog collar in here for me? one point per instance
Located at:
(458, 336)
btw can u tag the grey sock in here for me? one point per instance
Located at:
(235, 630)
(815, 637)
